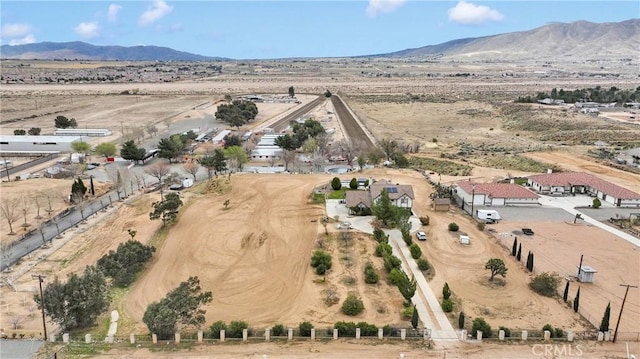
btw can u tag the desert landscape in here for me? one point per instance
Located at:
(253, 253)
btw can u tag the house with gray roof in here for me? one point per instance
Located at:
(400, 195)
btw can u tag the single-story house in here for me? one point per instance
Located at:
(564, 183)
(494, 194)
(400, 195)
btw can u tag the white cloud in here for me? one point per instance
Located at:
(381, 6)
(28, 39)
(471, 14)
(10, 31)
(112, 13)
(156, 11)
(176, 27)
(87, 29)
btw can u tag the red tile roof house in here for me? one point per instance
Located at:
(400, 195)
(564, 183)
(494, 194)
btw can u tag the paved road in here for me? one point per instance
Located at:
(19, 349)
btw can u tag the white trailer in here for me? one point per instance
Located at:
(488, 215)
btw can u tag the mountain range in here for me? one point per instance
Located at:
(576, 40)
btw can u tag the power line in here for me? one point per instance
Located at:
(615, 334)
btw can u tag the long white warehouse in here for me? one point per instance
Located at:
(36, 143)
(89, 132)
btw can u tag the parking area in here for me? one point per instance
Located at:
(533, 213)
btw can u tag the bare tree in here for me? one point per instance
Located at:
(117, 182)
(37, 200)
(56, 222)
(152, 130)
(139, 176)
(80, 202)
(25, 208)
(322, 141)
(158, 171)
(191, 168)
(137, 132)
(49, 196)
(16, 321)
(288, 157)
(9, 211)
(389, 147)
(41, 228)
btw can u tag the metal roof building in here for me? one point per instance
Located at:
(36, 143)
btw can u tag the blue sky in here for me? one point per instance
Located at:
(243, 29)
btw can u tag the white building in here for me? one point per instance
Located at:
(9, 144)
(266, 154)
(220, 137)
(493, 194)
(88, 132)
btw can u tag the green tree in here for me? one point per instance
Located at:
(166, 209)
(78, 302)
(497, 267)
(353, 184)
(321, 261)
(383, 249)
(415, 318)
(479, 324)
(63, 122)
(292, 91)
(388, 147)
(181, 306)
(336, 184)
(576, 301)
(453, 227)
(217, 327)
(514, 248)
(131, 152)
(78, 188)
(232, 140)
(446, 292)
(370, 274)
(236, 327)
(34, 131)
(519, 254)
(461, 320)
(327, 94)
(545, 284)
(237, 156)
(596, 203)
(126, 262)
(305, 329)
(447, 305)
(415, 250)
(391, 262)
(380, 236)
(407, 288)
(168, 149)
(19, 132)
(286, 142)
(423, 264)
(384, 210)
(604, 324)
(565, 295)
(80, 147)
(106, 149)
(237, 113)
(352, 305)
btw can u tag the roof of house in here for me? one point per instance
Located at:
(497, 190)
(395, 191)
(584, 179)
(354, 198)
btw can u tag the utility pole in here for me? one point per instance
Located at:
(615, 334)
(44, 323)
(473, 198)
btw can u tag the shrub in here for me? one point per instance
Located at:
(389, 330)
(216, 328)
(557, 333)
(406, 237)
(367, 330)
(278, 330)
(235, 329)
(415, 250)
(453, 227)
(481, 226)
(423, 264)
(446, 291)
(352, 305)
(383, 249)
(507, 331)
(548, 327)
(395, 277)
(481, 325)
(407, 312)
(447, 305)
(124, 264)
(424, 220)
(380, 236)
(461, 320)
(321, 261)
(353, 184)
(346, 329)
(391, 262)
(336, 184)
(370, 274)
(305, 329)
(545, 284)
(597, 203)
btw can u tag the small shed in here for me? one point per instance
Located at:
(586, 274)
(464, 240)
(441, 204)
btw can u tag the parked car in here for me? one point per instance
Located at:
(344, 225)
(176, 187)
(421, 235)
(527, 231)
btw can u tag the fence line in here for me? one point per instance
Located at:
(26, 165)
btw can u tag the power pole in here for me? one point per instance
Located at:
(44, 323)
(615, 334)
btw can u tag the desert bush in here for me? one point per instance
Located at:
(453, 227)
(447, 305)
(216, 328)
(278, 330)
(415, 250)
(367, 330)
(235, 329)
(395, 277)
(391, 262)
(305, 329)
(424, 220)
(423, 264)
(480, 324)
(389, 330)
(558, 333)
(370, 274)
(481, 226)
(507, 331)
(352, 305)
(383, 249)
(545, 284)
(380, 236)
(321, 261)
(346, 329)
